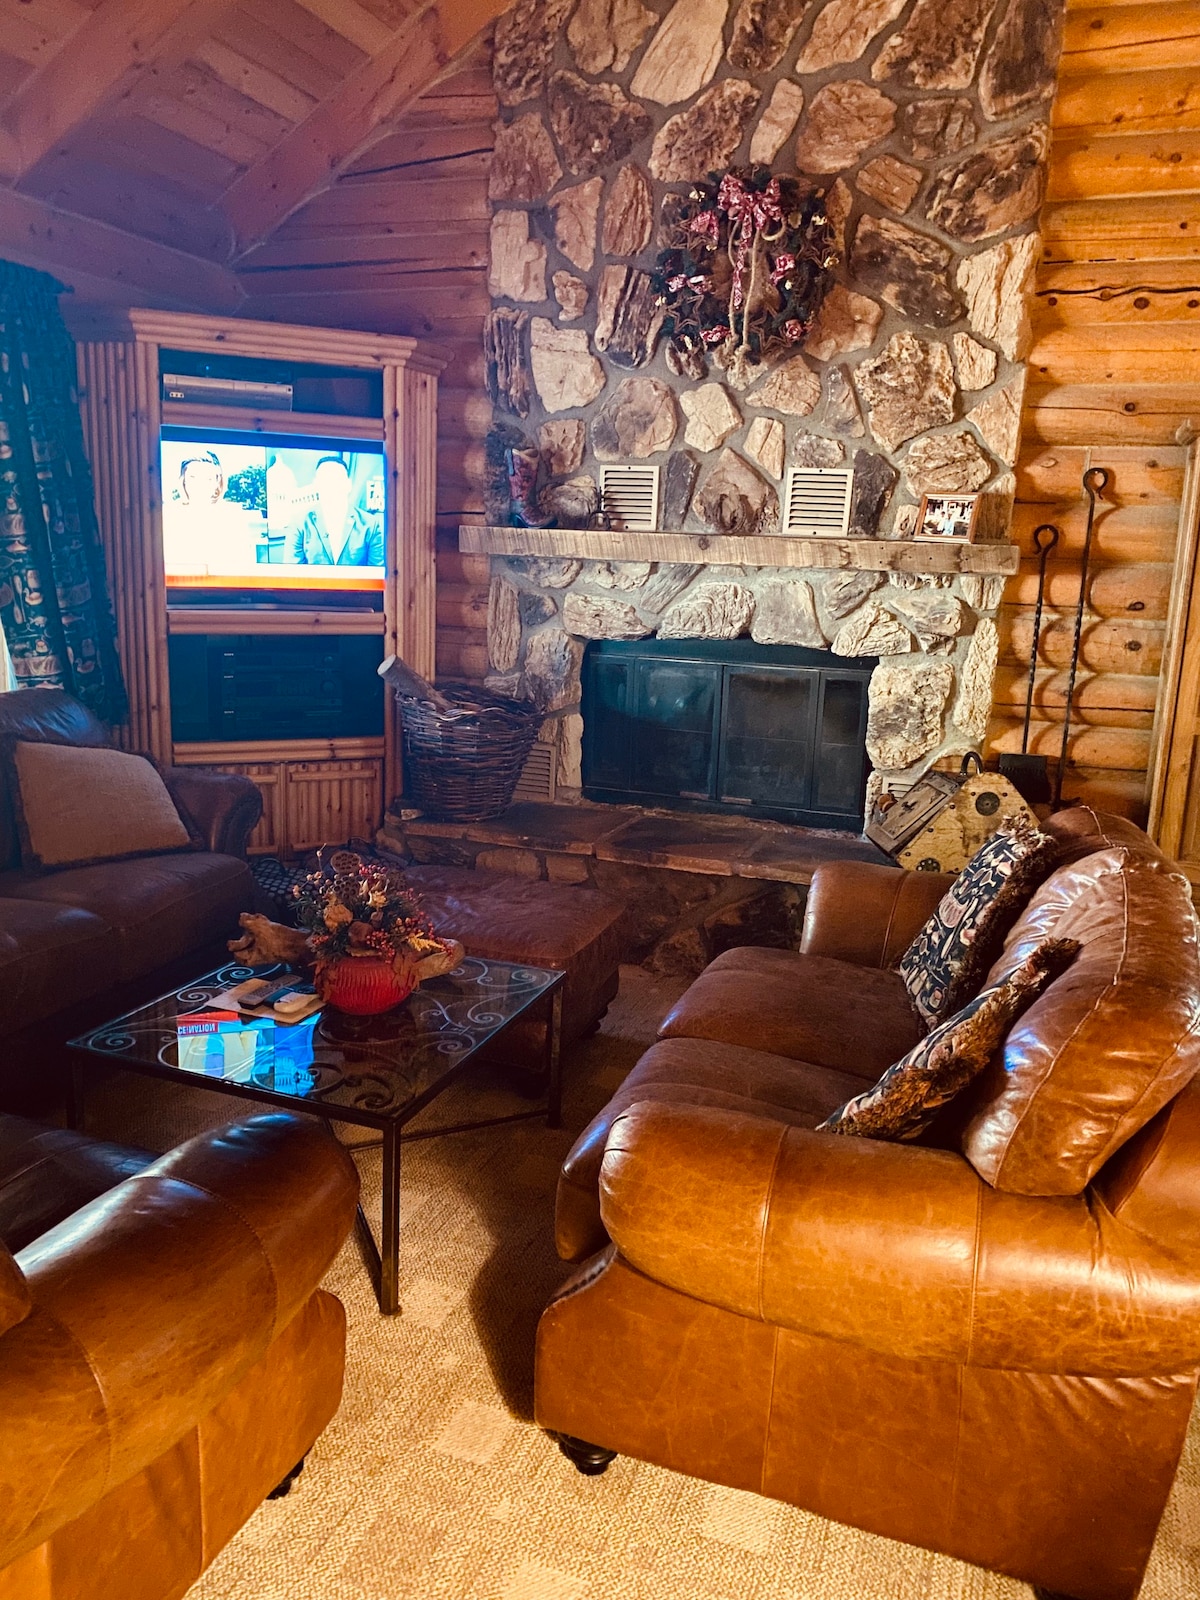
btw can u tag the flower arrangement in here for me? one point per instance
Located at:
(358, 909)
(749, 260)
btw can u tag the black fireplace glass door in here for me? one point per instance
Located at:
(768, 743)
(839, 775)
(674, 733)
(726, 725)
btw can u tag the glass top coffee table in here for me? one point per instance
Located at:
(377, 1072)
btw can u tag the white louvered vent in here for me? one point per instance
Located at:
(537, 775)
(817, 501)
(629, 495)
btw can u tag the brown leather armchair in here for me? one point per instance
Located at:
(166, 1359)
(988, 1344)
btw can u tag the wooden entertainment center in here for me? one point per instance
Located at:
(314, 790)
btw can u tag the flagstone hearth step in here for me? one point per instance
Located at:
(532, 838)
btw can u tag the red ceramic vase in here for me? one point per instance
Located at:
(364, 986)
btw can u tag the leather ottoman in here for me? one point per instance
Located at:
(572, 930)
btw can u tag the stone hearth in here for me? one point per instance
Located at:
(695, 886)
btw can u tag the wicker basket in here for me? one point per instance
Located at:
(462, 765)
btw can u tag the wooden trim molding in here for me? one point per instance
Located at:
(1173, 769)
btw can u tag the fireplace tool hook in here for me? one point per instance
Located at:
(1027, 773)
(1095, 481)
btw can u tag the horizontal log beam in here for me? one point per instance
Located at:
(1157, 227)
(1108, 415)
(38, 235)
(864, 555)
(1131, 38)
(1050, 475)
(1124, 165)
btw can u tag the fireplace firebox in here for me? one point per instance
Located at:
(729, 726)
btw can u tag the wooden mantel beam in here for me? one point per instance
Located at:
(108, 55)
(38, 235)
(303, 163)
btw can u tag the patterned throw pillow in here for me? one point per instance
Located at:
(946, 962)
(902, 1104)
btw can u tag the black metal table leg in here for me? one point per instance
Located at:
(76, 1093)
(554, 1059)
(389, 1253)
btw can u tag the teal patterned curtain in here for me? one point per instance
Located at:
(55, 608)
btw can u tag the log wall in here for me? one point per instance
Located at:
(1114, 372)
(398, 244)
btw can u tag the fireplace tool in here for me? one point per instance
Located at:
(1027, 773)
(1095, 481)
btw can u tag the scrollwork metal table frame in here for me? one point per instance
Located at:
(378, 1073)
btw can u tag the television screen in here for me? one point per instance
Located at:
(271, 511)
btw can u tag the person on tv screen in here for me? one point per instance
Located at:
(203, 531)
(335, 532)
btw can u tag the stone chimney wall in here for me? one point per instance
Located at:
(926, 123)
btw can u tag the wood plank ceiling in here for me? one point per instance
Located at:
(146, 146)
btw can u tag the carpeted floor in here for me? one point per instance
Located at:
(433, 1483)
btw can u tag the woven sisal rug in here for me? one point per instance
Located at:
(431, 1482)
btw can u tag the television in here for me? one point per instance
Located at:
(245, 512)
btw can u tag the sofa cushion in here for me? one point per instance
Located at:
(157, 908)
(811, 1008)
(907, 1098)
(50, 714)
(1109, 1044)
(576, 931)
(694, 1072)
(47, 1173)
(78, 806)
(944, 965)
(51, 957)
(1080, 831)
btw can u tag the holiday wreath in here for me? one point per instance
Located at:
(749, 259)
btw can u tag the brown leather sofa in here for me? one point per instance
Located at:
(986, 1344)
(68, 936)
(166, 1357)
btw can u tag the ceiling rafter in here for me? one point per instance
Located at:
(59, 242)
(103, 61)
(417, 53)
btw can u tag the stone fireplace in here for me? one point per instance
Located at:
(934, 633)
(924, 124)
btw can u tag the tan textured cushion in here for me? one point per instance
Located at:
(80, 806)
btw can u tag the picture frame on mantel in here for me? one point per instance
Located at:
(947, 519)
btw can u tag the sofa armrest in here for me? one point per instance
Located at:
(152, 1302)
(867, 913)
(224, 807)
(898, 1248)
